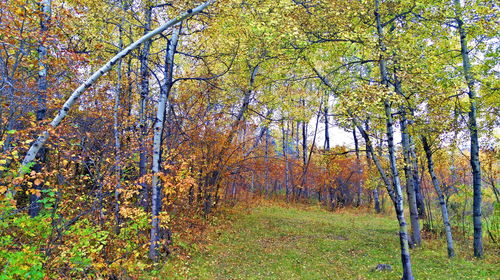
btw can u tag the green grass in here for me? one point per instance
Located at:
(274, 242)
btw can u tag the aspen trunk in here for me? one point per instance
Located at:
(45, 7)
(359, 189)
(157, 141)
(144, 92)
(376, 197)
(416, 179)
(304, 157)
(398, 201)
(442, 202)
(473, 130)
(266, 159)
(285, 158)
(410, 183)
(398, 197)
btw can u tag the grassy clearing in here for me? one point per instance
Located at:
(275, 242)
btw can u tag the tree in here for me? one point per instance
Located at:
(473, 129)
(442, 202)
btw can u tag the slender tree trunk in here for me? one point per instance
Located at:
(327, 133)
(266, 159)
(297, 141)
(375, 158)
(304, 143)
(359, 189)
(116, 132)
(284, 132)
(473, 130)
(304, 155)
(410, 184)
(157, 143)
(144, 92)
(130, 82)
(398, 197)
(376, 191)
(398, 202)
(416, 179)
(442, 202)
(411, 178)
(313, 144)
(45, 7)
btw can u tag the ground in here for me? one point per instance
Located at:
(279, 242)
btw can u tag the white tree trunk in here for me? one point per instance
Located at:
(157, 141)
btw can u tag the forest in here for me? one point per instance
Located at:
(249, 139)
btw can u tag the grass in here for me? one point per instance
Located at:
(277, 242)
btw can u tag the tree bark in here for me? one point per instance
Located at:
(266, 159)
(157, 143)
(284, 132)
(45, 7)
(376, 197)
(398, 197)
(473, 130)
(116, 132)
(442, 202)
(410, 183)
(327, 133)
(416, 179)
(144, 92)
(359, 189)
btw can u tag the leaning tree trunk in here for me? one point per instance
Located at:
(473, 130)
(376, 192)
(157, 141)
(359, 189)
(442, 202)
(63, 112)
(398, 197)
(374, 157)
(398, 201)
(45, 6)
(416, 179)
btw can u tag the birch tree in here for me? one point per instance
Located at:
(473, 130)
(157, 143)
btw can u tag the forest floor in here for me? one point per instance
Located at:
(279, 242)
